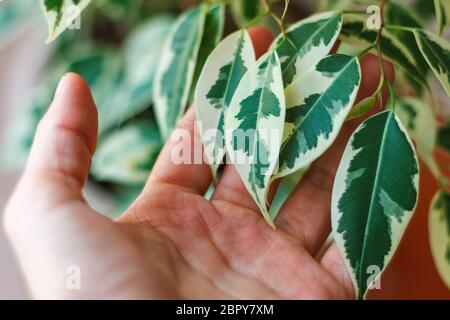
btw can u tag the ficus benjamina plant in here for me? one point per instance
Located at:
(304, 90)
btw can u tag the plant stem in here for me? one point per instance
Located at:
(354, 12)
(366, 50)
(278, 20)
(380, 58)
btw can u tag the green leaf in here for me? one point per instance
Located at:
(306, 42)
(419, 121)
(254, 124)
(142, 50)
(443, 137)
(374, 196)
(245, 11)
(285, 188)
(337, 4)
(318, 103)
(442, 8)
(212, 34)
(398, 14)
(436, 51)
(102, 70)
(217, 84)
(176, 68)
(439, 233)
(61, 14)
(127, 155)
(354, 31)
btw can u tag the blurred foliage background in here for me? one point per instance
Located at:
(116, 51)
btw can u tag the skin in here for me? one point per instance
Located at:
(171, 243)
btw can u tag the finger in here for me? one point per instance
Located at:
(231, 188)
(61, 154)
(180, 163)
(306, 214)
(65, 139)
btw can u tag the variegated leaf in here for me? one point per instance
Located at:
(127, 155)
(355, 31)
(317, 103)
(142, 50)
(306, 42)
(421, 125)
(61, 14)
(254, 124)
(212, 34)
(442, 8)
(218, 81)
(374, 196)
(439, 233)
(436, 51)
(176, 68)
(398, 14)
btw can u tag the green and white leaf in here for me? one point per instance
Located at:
(421, 124)
(355, 31)
(176, 68)
(254, 125)
(307, 42)
(442, 8)
(212, 34)
(127, 155)
(217, 84)
(317, 104)
(374, 196)
(61, 14)
(142, 50)
(398, 14)
(439, 233)
(436, 51)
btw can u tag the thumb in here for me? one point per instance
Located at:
(61, 154)
(65, 139)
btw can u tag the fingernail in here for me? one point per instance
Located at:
(61, 86)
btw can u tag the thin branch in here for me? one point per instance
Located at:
(380, 52)
(278, 20)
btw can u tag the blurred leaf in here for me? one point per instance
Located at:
(439, 231)
(421, 124)
(141, 52)
(127, 155)
(245, 11)
(176, 68)
(436, 51)
(398, 14)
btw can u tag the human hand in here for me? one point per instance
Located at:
(171, 243)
